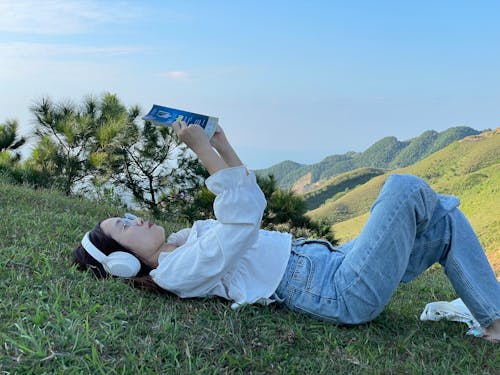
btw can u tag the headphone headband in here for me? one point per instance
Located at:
(93, 251)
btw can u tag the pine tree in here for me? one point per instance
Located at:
(10, 141)
(99, 146)
(155, 167)
(69, 134)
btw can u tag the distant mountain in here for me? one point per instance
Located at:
(387, 153)
(468, 168)
(418, 148)
(460, 158)
(280, 170)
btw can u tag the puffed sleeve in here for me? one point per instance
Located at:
(214, 247)
(179, 238)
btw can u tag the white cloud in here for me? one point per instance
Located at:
(176, 75)
(18, 58)
(21, 61)
(208, 72)
(55, 17)
(15, 50)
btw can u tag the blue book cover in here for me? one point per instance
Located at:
(166, 116)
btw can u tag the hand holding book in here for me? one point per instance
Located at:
(165, 116)
(194, 137)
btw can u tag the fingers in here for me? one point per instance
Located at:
(192, 135)
(178, 126)
(183, 130)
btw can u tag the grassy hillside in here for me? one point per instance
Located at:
(387, 153)
(337, 186)
(469, 169)
(55, 320)
(351, 204)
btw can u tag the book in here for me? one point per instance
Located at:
(165, 116)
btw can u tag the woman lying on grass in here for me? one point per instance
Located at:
(409, 229)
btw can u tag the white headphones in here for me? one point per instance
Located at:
(118, 263)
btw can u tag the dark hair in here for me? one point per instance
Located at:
(107, 245)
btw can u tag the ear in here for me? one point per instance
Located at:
(122, 264)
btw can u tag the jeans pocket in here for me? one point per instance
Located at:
(314, 306)
(302, 273)
(297, 276)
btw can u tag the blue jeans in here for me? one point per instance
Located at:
(410, 228)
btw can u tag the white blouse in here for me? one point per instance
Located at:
(229, 257)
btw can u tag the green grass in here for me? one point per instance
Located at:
(54, 319)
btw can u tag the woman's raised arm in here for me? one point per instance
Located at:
(195, 138)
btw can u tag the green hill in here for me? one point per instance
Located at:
(328, 167)
(468, 168)
(419, 147)
(382, 153)
(281, 170)
(387, 153)
(336, 186)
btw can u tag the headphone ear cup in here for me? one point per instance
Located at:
(122, 264)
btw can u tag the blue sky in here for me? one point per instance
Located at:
(289, 80)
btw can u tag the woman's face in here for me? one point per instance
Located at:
(142, 237)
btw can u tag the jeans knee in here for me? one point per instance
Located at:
(404, 181)
(409, 190)
(399, 186)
